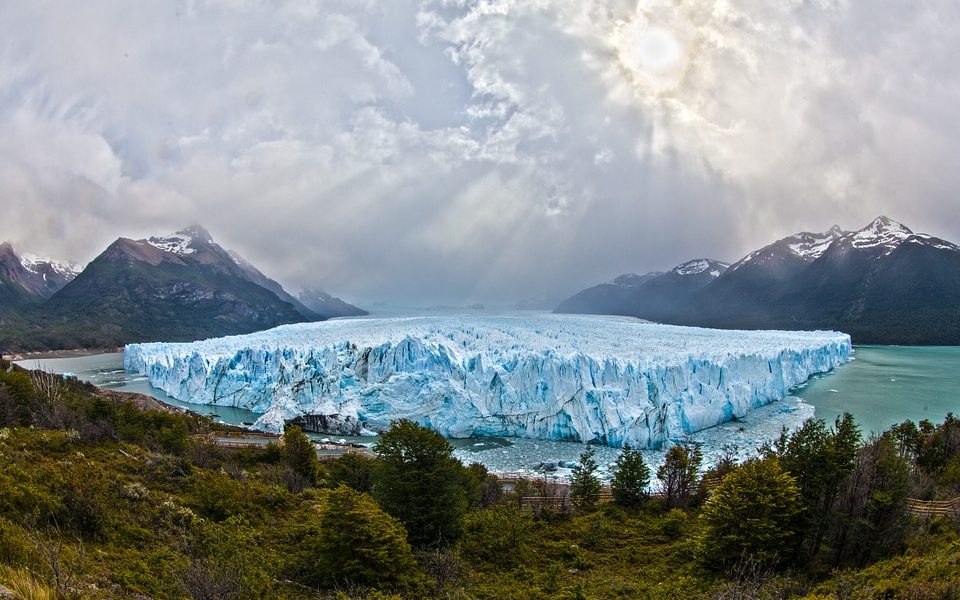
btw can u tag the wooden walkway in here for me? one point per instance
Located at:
(556, 494)
(934, 508)
(235, 440)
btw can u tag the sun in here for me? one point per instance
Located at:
(654, 47)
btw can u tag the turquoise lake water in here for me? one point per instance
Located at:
(885, 385)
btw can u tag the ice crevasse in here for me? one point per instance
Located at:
(609, 380)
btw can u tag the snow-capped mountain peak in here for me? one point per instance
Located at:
(36, 264)
(181, 242)
(811, 246)
(806, 245)
(882, 231)
(700, 265)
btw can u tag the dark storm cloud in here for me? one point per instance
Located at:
(441, 152)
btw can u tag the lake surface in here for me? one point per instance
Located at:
(884, 385)
(106, 371)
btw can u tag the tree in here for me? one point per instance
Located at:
(820, 460)
(630, 479)
(584, 483)
(353, 470)
(418, 481)
(678, 474)
(300, 454)
(354, 543)
(749, 517)
(872, 509)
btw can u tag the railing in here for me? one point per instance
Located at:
(932, 508)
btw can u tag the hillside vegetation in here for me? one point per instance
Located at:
(105, 496)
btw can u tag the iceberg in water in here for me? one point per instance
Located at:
(609, 380)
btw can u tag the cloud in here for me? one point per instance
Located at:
(443, 151)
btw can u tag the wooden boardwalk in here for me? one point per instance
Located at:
(556, 494)
(934, 508)
(235, 440)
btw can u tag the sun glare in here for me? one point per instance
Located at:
(654, 49)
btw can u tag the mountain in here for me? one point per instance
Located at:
(607, 298)
(324, 304)
(882, 284)
(655, 296)
(31, 275)
(178, 287)
(751, 287)
(669, 296)
(26, 280)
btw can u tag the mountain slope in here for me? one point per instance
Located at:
(749, 291)
(669, 296)
(329, 306)
(882, 284)
(606, 298)
(655, 296)
(27, 280)
(177, 288)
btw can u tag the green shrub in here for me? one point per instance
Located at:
(497, 536)
(353, 542)
(750, 517)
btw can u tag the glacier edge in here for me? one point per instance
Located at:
(607, 380)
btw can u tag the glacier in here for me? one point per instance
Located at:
(587, 378)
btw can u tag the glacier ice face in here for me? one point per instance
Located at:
(610, 380)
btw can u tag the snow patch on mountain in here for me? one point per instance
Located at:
(610, 380)
(175, 243)
(699, 265)
(882, 231)
(182, 242)
(811, 246)
(806, 245)
(35, 264)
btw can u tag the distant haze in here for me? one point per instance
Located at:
(443, 152)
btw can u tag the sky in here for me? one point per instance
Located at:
(454, 151)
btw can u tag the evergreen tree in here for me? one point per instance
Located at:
(354, 543)
(584, 483)
(418, 481)
(749, 517)
(678, 474)
(300, 454)
(630, 479)
(820, 460)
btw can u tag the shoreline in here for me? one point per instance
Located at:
(51, 354)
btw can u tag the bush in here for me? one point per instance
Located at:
(750, 517)
(678, 475)
(300, 454)
(355, 543)
(353, 470)
(497, 536)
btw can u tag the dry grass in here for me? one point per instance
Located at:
(24, 585)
